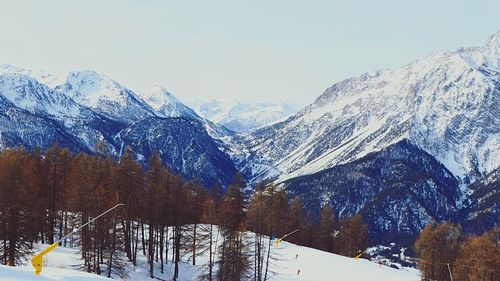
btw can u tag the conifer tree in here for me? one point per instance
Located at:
(209, 218)
(57, 163)
(15, 206)
(352, 237)
(296, 221)
(257, 215)
(437, 248)
(233, 253)
(326, 228)
(128, 179)
(479, 258)
(153, 196)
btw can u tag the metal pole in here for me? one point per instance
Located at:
(290, 233)
(87, 223)
(449, 270)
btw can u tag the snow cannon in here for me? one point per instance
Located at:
(278, 241)
(37, 260)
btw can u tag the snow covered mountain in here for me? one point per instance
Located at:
(34, 115)
(89, 108)
(105, 96)
(245, 117)
(30, 95)
(446, 103)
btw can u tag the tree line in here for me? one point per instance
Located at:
(46, 194)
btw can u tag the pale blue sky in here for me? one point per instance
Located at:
(239, 50)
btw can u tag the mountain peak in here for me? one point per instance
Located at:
(105, 95)
(494, 39)
(166, 104)
(492, 50)
(159, 94)
(87, 79)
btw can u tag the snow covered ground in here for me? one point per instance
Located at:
(314, 265)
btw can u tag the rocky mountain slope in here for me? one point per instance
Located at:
(481, 210)
(398, 190)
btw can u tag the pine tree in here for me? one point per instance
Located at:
(326, 228)
(15, 206)
(128, 178)
(257, 215)
(39, 191)
(352, 238)
(309, 230)
(479, 258)
(296, 221)
(233, 253)
(57, 163)
(437, 248)
(153, 196)
(209, 218)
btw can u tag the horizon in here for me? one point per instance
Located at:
(219, 51)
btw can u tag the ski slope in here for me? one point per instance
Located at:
(314, 265)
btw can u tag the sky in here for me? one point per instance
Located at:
(237, 50)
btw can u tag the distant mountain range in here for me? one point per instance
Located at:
(88, 108)
(403, 147)
(245, 117)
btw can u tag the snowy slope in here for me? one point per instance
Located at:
(50, 274)
(446, 103)
(245, 117)
(314, 265)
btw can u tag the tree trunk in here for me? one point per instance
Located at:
(194, 244)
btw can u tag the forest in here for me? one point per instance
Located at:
(44, 195)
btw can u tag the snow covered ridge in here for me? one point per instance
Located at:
(44, 77)
(446, 103)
